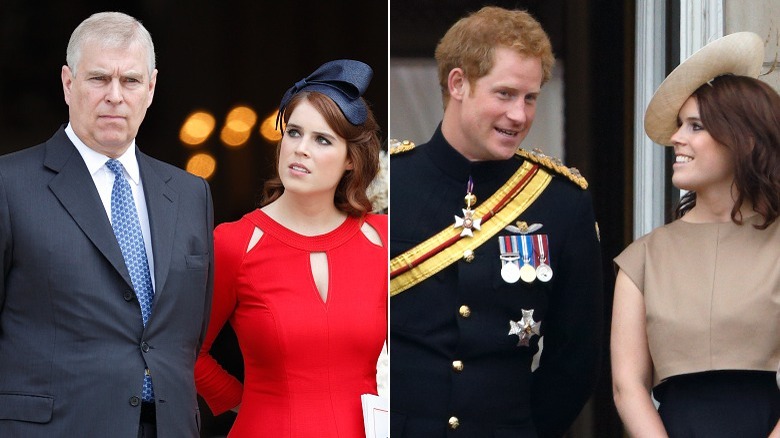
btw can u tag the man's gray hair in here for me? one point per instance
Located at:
(111, 30)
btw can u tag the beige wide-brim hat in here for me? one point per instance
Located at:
(740, 53)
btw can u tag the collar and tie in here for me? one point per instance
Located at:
(127, 229)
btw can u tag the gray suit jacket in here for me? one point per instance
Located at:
(73, 348)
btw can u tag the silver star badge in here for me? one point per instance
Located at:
(468, 222)
(525, 328)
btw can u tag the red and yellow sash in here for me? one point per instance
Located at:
(446, 247)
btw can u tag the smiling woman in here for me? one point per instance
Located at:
(697, 302)
(702, 164)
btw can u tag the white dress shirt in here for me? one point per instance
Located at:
(104, 182)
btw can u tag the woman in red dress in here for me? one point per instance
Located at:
(303, 279)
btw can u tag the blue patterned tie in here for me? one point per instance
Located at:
(127, 228)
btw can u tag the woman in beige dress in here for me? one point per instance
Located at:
(696, 316)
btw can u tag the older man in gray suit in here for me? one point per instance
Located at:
(106, 260)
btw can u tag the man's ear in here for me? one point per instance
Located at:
(457, 84)
(67, 82)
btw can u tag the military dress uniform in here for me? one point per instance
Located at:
(463, 340)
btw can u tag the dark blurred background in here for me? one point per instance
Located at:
(212, 56)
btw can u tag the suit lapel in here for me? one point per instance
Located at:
(162, 206)
(75, 189)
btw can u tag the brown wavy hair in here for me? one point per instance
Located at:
(470, 43)
(743, 114)
(363, 147)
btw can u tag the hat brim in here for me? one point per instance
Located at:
(740, 53)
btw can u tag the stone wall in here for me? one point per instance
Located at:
(763, 18)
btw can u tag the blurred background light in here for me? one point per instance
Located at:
(197, 128)
(202, 164)
(268, 128)
(238, 126)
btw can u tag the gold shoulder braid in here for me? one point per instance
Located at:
(397, 147)
(554, 164)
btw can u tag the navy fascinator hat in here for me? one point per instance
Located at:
(343, 80)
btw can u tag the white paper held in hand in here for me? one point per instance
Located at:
(376, 416)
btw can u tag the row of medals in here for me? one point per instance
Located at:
(510, 271)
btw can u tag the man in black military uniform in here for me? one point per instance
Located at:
(495, 253)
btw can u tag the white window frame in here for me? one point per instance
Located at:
(700, 22)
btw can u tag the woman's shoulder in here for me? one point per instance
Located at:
(662, 233)
(378, 221)
(659, 238)
(376, 218)
(237, 225)
(235, 232)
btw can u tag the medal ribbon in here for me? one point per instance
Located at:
(527, 245)
(469, 191)
(508, 246)
(541, 249)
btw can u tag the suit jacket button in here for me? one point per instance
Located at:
(135, 401)
(454, 423)
(457, 366)
(144, 347)
(128, 295)
(464, 311)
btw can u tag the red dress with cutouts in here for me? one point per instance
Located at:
(306, 360)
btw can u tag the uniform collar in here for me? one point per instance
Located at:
(460, 168)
